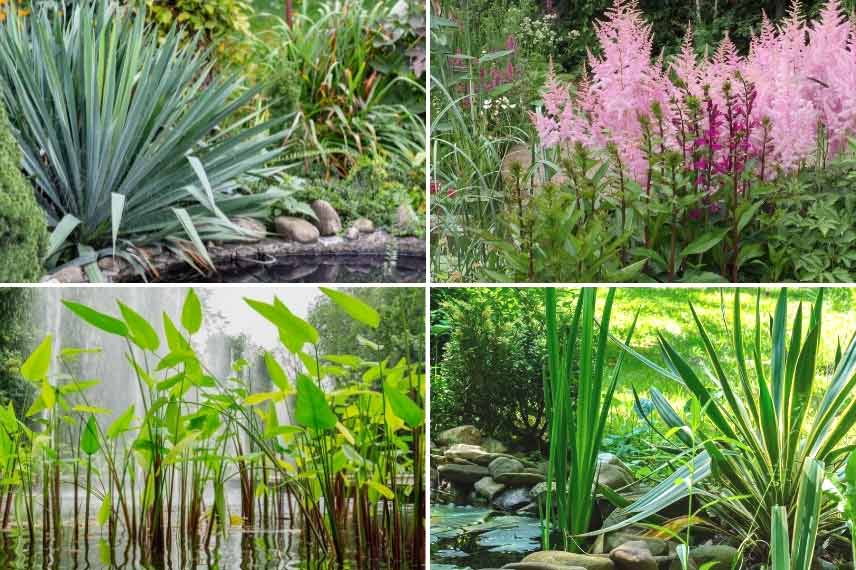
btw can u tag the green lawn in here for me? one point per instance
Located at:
(667, 311)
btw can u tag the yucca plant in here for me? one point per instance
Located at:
(765, 428)
(124, 134)
(578, 394)
(798, 553)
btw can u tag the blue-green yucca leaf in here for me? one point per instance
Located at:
(107, 116)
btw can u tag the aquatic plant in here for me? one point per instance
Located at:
(578, 395)
(765, 426)
(123, 134)
(351, 458)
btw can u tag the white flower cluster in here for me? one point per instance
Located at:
(538, 35)
(493, 108)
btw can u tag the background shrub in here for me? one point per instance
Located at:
(16, 339)
(489, 352)
(23, 236)
(401, 331)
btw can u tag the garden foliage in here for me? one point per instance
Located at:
(489, 371)
(347, 81)
(23, 235)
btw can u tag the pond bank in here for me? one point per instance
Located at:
(248, 257)
(486, 502)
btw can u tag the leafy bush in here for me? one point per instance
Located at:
(15, 340)
(339, 78)
(490, 371)
(132, 154)
(22, 223)
(214, 19)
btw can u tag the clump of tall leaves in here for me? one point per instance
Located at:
(770, 420)
(578, 394)
(339, 79)
(124, 133)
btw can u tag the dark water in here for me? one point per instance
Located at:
(476, 537)
(239, 550)
(316, 269)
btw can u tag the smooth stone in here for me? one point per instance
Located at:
(488, 488)
(503, 465)
(540, 490)
(492, 445)
(587, 561)
(540, 566)
(296, 229)
(466, 452)
(511, 499)
(329, 223)
(721, 553)
(614, 477)
(405, 217)
(70, 274)
(633, 555)
(656, 546)
(525, 478)
(363, 225)
(461, 434)
(352, 233)
(462, 473)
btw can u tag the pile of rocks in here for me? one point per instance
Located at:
(630, 552)
(480, 470)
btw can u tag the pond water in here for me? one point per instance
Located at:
(278, 547)
(316, 269)
(274, 549)
(476, 537)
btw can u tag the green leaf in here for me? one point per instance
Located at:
(97, 319)
(357, 309)
(121, 424)
(91, 409)
(381, 489)
(117, 206)
(262, 397)
(311, 409)
(35, 368)
(704, 242)
(105, 509)
(141, 332)
(89, 442)
(191, 313)
(402, 406)
(48, 394)
(294, 332)
(276, 373)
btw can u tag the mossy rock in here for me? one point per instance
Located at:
(23, 232)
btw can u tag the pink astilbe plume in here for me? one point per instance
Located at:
(624, 83)
(801, 77)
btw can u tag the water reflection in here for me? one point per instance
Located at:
(315, 269)
(280, 549)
